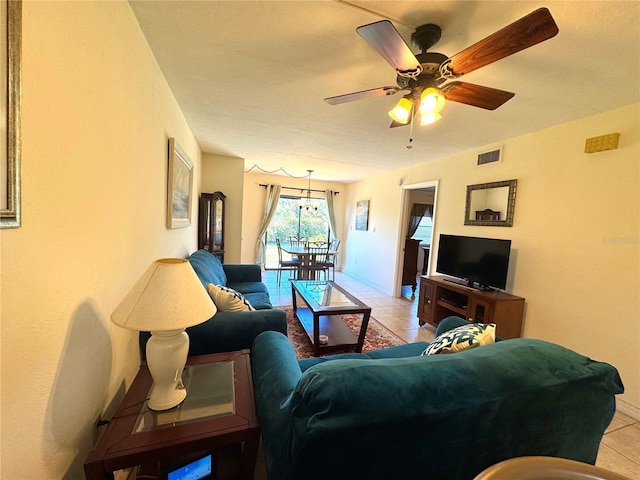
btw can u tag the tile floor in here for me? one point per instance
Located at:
(620, 447)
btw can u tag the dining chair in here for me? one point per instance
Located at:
(318, 261)
(317, 243)
(297, 241)
(291, 265)
(332, 258)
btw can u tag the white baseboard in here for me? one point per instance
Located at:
(628, 409)
(366, 282)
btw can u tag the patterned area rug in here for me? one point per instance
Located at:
(378, 336)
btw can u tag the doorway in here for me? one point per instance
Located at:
(420, 193)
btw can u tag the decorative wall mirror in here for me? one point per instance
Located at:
(491, 204)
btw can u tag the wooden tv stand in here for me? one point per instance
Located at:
(439, 298)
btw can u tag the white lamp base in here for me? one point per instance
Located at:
(166, 358)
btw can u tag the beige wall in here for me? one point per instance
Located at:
(372, 255)
(575, 238)
(97, 115)
(254, 198)
(225, 174)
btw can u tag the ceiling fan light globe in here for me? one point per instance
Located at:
(429, 118)
(431, 101)
(402, 111)
(399, 116)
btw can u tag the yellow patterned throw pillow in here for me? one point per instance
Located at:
(463, 338)
(227, 299)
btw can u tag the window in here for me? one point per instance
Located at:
(423, 232)
(292, 221)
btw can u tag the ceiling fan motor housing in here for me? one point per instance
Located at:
(430, 63)
(426, 36)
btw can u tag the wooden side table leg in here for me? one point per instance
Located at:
(249, 456)
(94, 471)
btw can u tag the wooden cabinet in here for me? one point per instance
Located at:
(211, 223)
(410, 264)
(440, 298)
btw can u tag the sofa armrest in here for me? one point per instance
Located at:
(275, 368)
(229, 331)
(450, 323)
(242, 272)
(275, 375)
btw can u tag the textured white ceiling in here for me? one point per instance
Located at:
(251, 77)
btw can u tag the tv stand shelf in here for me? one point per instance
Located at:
(440, 298)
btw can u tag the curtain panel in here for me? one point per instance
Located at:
(270, 206)
(418, 210)
(328, 195)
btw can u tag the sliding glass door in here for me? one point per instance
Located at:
(292, 220)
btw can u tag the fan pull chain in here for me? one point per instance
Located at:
(409, 146)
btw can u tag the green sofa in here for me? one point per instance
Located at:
(230, 331)
(394, 414)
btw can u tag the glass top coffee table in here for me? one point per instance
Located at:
(319, 316)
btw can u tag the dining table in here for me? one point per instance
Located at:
(306, 259)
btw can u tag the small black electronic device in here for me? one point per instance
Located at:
(453, 303)
(480, 263)
(201, 468)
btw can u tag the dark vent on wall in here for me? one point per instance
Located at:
(489, 157)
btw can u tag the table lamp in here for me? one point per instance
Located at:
(168, 298)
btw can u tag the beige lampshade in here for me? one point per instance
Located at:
(169, 296)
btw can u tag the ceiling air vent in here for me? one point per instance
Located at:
(490, 157)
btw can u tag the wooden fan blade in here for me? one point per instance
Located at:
(350, 97)
(384, 37)
(534, 28)
(476, 95)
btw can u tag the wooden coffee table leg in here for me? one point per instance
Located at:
(363, 331)
(293, 299)
(316, 335)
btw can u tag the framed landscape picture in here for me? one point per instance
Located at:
(180, 187)
(362, 215)
(10, 96)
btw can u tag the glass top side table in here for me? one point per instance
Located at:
(218, 413)
(210, 393)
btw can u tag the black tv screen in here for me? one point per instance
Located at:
(479, 262)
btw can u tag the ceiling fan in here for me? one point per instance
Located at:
(426, 74)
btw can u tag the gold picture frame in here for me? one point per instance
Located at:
(10, 103)
(179, 187)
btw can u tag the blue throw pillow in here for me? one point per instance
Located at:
(463, 338)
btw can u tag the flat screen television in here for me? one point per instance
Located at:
(477, 262)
